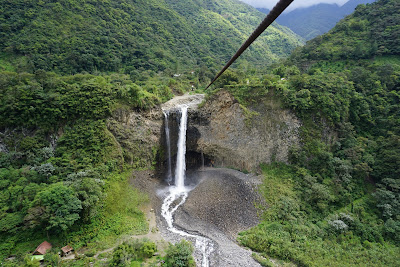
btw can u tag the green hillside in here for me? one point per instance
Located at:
(338, 201)
(65, 68)
(371, 30)
(127, 36)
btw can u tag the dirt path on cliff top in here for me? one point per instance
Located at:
(220, 205)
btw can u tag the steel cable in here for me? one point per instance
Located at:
(273, 14)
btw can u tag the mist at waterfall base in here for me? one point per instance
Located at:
(178, 193)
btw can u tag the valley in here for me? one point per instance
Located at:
(112, 147)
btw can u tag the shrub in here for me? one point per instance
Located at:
(180, 255)
(262, 261)
(122, 255)
(338, 226)
(148, 249)
(134, 250)
(52, 259)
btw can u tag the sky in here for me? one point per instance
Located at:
(296, 3)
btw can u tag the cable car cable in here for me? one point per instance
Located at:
(273, 14)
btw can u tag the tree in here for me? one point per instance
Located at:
(89, 192)
(180, 255)
(61, 207)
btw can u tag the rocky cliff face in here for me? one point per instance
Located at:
(227, 134)
(138, 134)
(242, 138)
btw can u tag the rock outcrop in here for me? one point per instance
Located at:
(138, 134)
(237, 137)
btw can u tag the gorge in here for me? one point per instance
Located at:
(231, 212)
(179, 192)
(209, 205)
(292, 153)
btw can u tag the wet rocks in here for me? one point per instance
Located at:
(224, 198)
(190, 100)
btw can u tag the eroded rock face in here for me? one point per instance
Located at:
(234, 137)
(138, 134)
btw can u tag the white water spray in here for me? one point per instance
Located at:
(169, 173)
(179, 193)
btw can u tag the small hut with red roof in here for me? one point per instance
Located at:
(42, 248)
(66, 250)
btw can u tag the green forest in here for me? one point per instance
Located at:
(132, 37)
(67, 66)
(338, 202)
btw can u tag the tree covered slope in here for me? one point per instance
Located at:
(338, 201)
(371, 30)
(71, 36)
(65, 68)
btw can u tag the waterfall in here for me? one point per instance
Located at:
(168, 140)
(178, 193)
(180, 157)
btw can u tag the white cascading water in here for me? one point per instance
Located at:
(180, 157)
(180, 192)
(168, 141)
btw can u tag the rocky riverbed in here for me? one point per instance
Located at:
(219, 206)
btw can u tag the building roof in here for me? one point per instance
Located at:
(67, 249)
(42, 248)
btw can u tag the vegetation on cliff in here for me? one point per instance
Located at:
(337, 203)
(372, 30)
(62, 174)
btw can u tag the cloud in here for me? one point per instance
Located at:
(296, 3)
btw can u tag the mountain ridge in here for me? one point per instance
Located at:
(70, 37)
(309, 22)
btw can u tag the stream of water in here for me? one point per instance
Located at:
(178, 193)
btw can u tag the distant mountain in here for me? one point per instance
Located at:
(70, 36)
(315, 20)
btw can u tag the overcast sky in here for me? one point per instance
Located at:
(296, 3)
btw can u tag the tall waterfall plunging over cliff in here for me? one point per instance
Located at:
(178, 192)
(180, 157)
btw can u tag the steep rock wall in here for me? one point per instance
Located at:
(233, 136)
(138, 134)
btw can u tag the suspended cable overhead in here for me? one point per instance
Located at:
(273, 14)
